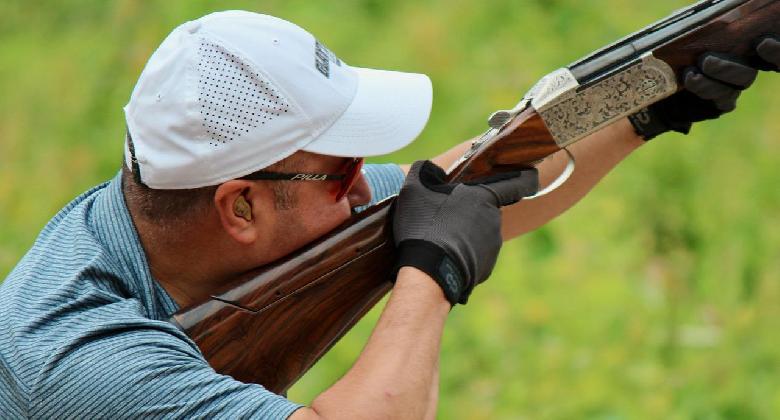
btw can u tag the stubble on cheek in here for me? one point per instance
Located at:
(284, 197)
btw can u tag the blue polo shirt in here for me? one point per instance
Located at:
(83, 331)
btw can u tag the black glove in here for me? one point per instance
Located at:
(452, 232)
(711, 90)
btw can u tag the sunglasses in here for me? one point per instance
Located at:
(347, 176)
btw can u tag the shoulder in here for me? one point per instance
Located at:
(141, 368)
(384, 180)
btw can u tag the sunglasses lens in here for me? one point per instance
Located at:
(350, 177)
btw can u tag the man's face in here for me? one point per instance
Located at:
(310, 209)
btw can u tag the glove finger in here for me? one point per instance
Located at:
(769, 50)
(429, 175)
(705, 87)
(728, 69)
(433, 178)
(414, 172)
(727, 103)
(511, 190)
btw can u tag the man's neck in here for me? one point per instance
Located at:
(188, 267)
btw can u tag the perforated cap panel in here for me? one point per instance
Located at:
(233, 98)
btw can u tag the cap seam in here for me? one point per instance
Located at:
(326, 127)
(194, 88)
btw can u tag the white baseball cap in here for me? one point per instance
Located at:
(234, 92)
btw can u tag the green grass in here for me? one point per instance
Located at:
(655, 297)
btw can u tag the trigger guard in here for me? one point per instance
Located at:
(563, 177)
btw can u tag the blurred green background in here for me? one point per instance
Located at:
(655, 297)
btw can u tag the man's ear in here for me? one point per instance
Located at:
(238, 204)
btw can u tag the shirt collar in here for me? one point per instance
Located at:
(112, 224)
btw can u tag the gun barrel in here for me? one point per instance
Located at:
(633, 46)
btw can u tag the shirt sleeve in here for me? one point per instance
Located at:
(139, 371)
(384, 180)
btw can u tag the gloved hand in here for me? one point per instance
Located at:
(711, 90)
(452, 232)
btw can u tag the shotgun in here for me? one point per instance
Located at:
(272, 324)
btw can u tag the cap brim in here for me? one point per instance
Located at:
(389, 111)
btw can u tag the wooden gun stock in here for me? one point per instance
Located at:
(272, 325)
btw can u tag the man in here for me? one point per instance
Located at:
(228, 108)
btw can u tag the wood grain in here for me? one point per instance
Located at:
(522, 142)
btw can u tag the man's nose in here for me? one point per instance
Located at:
(360, 193)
